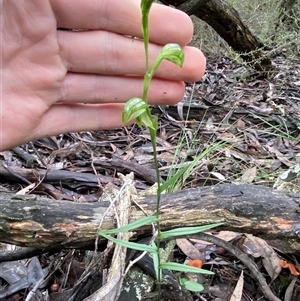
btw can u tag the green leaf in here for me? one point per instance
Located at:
(146, 119)
(187, 230)
(181, 176)
(156, 262)
(131, 245)
(153, 130)
(174, 178)
(131, 226)
(145, 6)
(173, 53)
(133, 108)
(191, 285)
(174, 266)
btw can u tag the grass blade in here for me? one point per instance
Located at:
(131, 226)
(187, 230)
(174, 178)
(131, 245)
(174, 266)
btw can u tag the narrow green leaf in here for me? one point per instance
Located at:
(145, 6)
(131, 226)
(156, 262)
(153, 130)
(130, 245)
(174, 266)
(173, 53)
(174, 178)
(187, 230)
(133, 108)
(188, 170)
(147, 78)
(191, 285)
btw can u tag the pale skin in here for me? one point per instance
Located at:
(55, 82)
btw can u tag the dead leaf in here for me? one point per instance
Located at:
(279, 156)
(218, 176)
(35, 272)
(241, 124)
(249, 175)
(228, 235)
(188, 249)
(238, 290)
(26, 189)
(288, 296)
(257, 247)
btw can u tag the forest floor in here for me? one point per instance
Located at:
(233, 125)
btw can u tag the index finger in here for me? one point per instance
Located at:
(167, 25)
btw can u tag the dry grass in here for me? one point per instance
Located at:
(262, 19)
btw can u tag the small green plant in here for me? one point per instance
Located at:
(138, 109)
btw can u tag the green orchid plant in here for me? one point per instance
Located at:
(138, 109)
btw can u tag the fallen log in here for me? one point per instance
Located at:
(225, 20)
(44, 223)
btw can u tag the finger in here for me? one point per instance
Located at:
(62, 118)
(26, 21)
(124, 17)
(112, 54)
(79, 88)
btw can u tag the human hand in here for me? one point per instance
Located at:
(66, 81)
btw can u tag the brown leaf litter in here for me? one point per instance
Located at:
(249, 131)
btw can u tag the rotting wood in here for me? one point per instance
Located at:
(41, 222)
